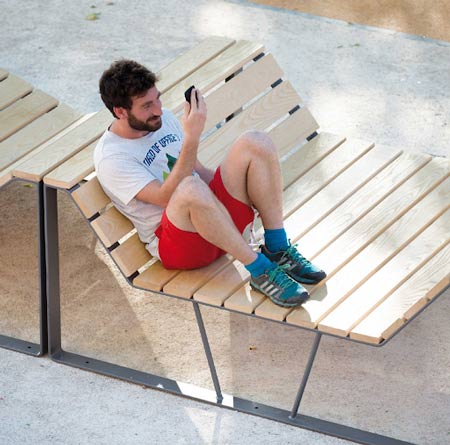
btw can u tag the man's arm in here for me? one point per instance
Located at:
(193, 122)
(205, 173)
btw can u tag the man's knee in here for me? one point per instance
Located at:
(259, 142)
(193, 189)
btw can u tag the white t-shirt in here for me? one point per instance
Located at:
(125, 166)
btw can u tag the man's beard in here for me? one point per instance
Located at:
(151, 124)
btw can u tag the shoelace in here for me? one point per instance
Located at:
(278, 275)
(296, 255)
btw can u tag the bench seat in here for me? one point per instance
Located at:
(374, 217)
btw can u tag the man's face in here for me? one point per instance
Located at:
(146, 111)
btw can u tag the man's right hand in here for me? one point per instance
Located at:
(194, 117)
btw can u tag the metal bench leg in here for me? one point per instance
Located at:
(309, 365)
(52, 264)
(42, 271)
(17, 344)
(331, 428)
(209, 356)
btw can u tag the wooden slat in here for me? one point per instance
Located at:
(258, 116)
(338, 191)
(24, 111)
(394, 312)
(306, 157)
(155, 277)
(111, 226)
(8, 171)
(12, 88)
(90, 197)
(245, 300)
(293, 131)
(322, 174)
(366, 199)
(348, 271)
(131, 255)
(3, 74)
(74, 169)
(187, 282)
(212, 73)
(392, 208)
(191, 60)
(46, 160)
(5, 177)
(389, 278)
(224, 284)
(271, 311)
(35, 134)
(242, 88)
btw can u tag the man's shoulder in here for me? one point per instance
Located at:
(110, 143)
(108, 147)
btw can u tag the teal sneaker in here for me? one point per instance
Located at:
(279, 287)
(297, 266)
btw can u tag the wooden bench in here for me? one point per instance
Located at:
(30, 120)
(375, 218)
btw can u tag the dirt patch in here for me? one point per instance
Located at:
(421, 17)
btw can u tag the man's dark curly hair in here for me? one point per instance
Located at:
(123, 80)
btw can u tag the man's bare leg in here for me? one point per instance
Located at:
(251, 173)
(194, 208)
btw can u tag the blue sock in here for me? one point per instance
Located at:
(259, 266)
(276, 240)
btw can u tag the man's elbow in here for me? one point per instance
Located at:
(160, 201)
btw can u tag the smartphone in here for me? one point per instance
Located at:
(187, 94)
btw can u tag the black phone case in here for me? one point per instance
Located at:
(187, 94)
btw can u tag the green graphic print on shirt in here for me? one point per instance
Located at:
(170, 164)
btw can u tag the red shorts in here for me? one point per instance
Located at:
(179, 249)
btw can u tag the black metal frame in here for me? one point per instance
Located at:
(183, 389)
(24, 346)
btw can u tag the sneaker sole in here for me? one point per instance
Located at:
(305, 280)
(279, 302)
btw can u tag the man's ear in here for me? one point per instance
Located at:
(120, 112)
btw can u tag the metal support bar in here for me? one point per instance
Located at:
(42, 271)
(301, 390)
(208, 353)
(52, 264)
(15, 344)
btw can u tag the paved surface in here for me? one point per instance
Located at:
(42, 402)
(362, 82)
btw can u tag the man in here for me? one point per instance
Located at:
(188, 215)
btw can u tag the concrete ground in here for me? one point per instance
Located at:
(363, 82)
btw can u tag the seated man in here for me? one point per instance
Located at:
(188, 215)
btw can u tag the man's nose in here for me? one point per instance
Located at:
(157, 109)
